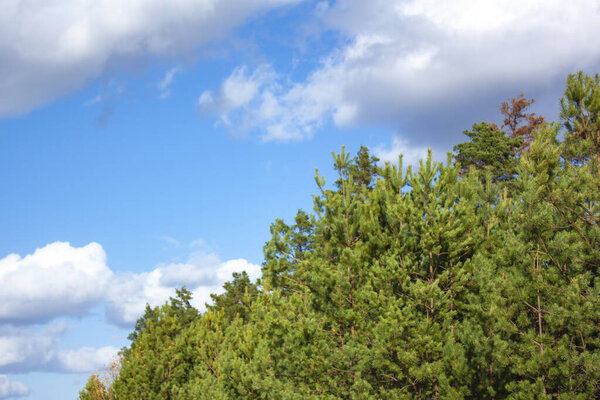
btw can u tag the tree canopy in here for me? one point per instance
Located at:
(406, 283)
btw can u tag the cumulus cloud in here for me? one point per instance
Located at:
(55, 280)
(27, 349)
(12, 389)
(409, 58)
(50, 48)
(399, 146)
(61, 280)
(85, 359)
(202, 274)
(23, 350)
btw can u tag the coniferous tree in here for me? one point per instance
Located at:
(580, 115)
(489, 149)
(239, 295)
(436, 282)
(152, 368)
(364, 169)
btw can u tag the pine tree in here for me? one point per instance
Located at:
(433, 283)
(489, 149)
(239, 295)
(580, 115)
(152, 368)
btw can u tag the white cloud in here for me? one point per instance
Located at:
(238, 98)
(407, 59)
(86, 359)
(259, 101)
(202, 274)
(50, 48)
(62, 280)
(55, 280)
(27, 349)
(12, 389)
(24, 350)
(238, 90)
(410, 154)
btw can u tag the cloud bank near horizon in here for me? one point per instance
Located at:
(60, 280)
(27, 349)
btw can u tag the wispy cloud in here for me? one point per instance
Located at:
(171, 241)
(165, 84)
(407, 59)
(94, 100)
(198, 243)
(260, 101)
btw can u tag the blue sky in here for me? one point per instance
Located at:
(146, 145)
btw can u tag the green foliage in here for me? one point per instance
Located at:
(580, 115)
(152, 368)
(99, 385)
(489, 149)
(239, 295)
(436, 282)
(364, 169)
(94, 390)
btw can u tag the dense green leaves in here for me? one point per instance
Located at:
(436, 282)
